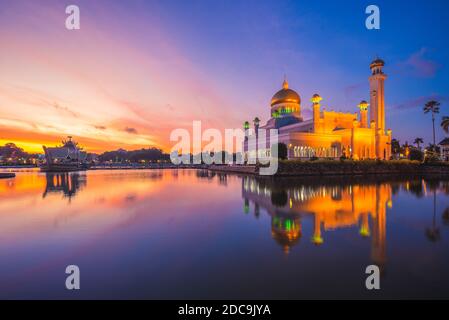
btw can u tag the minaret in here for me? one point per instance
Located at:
(377, 105)
(363, 106)
(245, 141)
(256, 122)
(379, 239)
(316, 111)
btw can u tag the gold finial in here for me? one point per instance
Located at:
(285, 83)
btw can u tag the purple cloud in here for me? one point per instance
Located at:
(64, 109)
(355, 93)
(354, 88)
(419, 102)
(131, 130)
(419, 65)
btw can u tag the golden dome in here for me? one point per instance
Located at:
(285, 95)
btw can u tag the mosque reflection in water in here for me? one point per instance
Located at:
(67, 183)
(329, 207)
(290, 202)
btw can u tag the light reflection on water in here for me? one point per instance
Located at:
(196, 234)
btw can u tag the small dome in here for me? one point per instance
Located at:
(285, 95)
(377, 62)
(316, 98)
(363, 105)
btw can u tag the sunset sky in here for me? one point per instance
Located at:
(138, 69)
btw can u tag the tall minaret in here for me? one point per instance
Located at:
(316, 112)
(377, 104)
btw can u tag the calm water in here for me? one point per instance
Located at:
(194, 234)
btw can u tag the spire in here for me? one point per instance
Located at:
(285, 83)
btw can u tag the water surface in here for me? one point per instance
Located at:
(195, 234)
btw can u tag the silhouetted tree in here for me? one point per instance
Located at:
(120, 155)
(282, 151)
(418, 142)
(395, 146)
(445, 124)
(416, 154)
(433, 107)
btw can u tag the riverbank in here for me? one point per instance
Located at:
(343, 168)
(234, 169)
(5, 175)
(19, 167)
(142, 167)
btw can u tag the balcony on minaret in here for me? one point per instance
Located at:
(376, 66)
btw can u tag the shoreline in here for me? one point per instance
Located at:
(7, 175)
(341, 169)
(297, 168)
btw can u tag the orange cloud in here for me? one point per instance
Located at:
(97, 85)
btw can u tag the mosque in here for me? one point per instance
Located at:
(328, 134)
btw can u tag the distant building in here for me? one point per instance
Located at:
(69, 152)
(444, 149)
(68, 157)
(328, 134)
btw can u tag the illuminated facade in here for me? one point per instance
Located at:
(328, 134)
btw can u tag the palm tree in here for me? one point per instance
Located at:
(395, 147)
(434, 107)
(418, 141)
(445, 124)
(406, 149)
(433, 148)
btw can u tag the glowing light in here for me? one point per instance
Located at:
(364, 232)
(317, 240)
(363, 105)
(316, 98)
